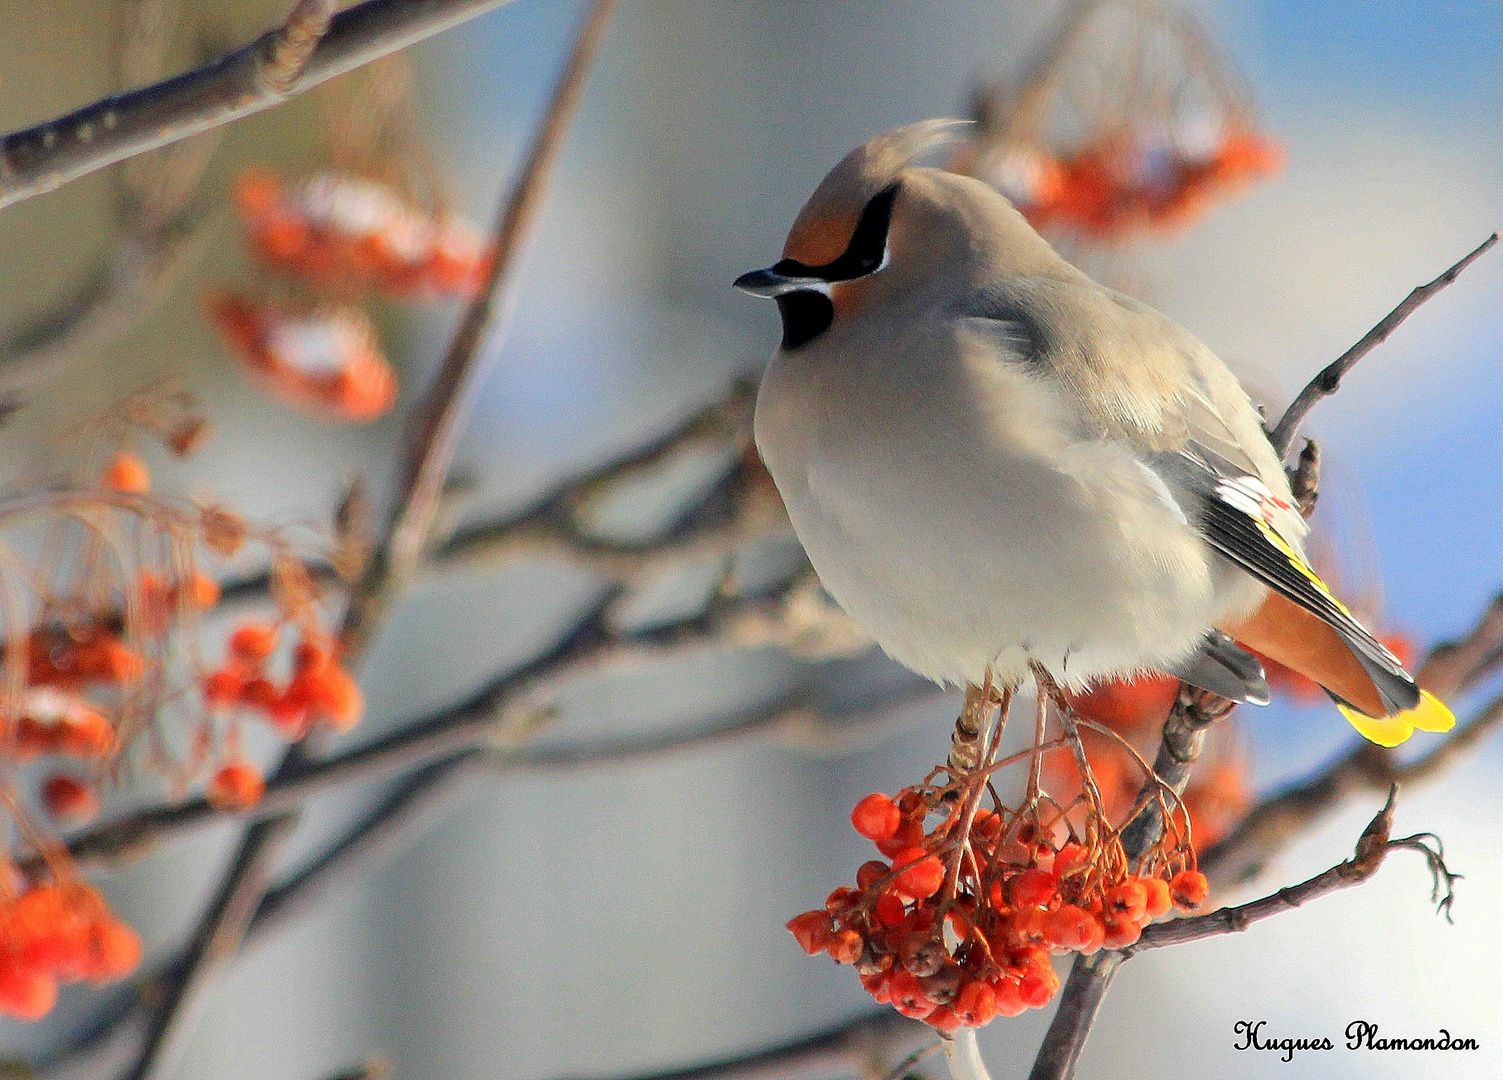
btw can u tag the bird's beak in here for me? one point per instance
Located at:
(770, 283)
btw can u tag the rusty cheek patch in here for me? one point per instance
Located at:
(820, 241)
(846, 295)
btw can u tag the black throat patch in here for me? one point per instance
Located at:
(807, 313)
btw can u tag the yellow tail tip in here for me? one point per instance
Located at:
(1431, 714)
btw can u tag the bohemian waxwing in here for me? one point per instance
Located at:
(993, 462)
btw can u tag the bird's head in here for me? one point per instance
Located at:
(844, 234)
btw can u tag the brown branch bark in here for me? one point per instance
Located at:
(246, 81)
(472, 352)
(1329, 380)
(1372, 848)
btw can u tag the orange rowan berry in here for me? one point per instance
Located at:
(1068, 859)
(1007, 996)
(69, 799)
(1120, 932)
(311, 656)
(236, 786)
(1068, 927)
(876, 817)
(26, 994)
(114, 950)
(259, 693)
(920, 880)
(841, 900)
(869, 873)
(86, 733)
(288, 712)
(223, 688)
(1126, 901)
(1032, 888)
(976, 1004)
(126, 473)
(254, 642)
(1157, 899)
(845, 946)
(943, 1018)
(812, 930)
(202, 591)
(879, 986)
(909, 835)
(335, 697)
(907, 997)
(1189, 888)
(1036, 989)
(986, 825)
(890, 909)
(1027, 926)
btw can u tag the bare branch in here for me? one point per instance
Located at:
(49, 155)
(1372, 849)
(436, 427)
(1329, 380)
(213, 948)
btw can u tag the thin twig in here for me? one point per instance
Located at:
(1329, 380)
(213, 948)
(474, 348)
(44, 157)
(1372, 849)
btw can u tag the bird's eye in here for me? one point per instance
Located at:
(867, 250)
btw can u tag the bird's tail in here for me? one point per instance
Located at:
(1368, 684)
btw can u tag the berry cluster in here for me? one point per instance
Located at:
(317, 690)
(1123, 186)
(323, 358)
(350, 233)
(958, 923)
(56, 932)
(106, 588)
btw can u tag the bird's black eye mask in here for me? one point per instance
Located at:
(865, 254)
(803, 291)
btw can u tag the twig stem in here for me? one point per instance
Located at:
(1329, 380)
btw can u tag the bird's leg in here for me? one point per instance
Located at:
(965, 743)
(975, 779)
(1304, 478)
(1040, 736)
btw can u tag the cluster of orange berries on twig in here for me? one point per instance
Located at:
(56, 932)
(1128, 184)
(103, 586)
(958, 923)
(334, 238)
(319, 690)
